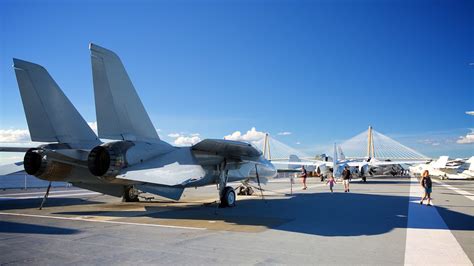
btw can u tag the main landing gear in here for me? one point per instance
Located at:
(226, 194)
(228, 198)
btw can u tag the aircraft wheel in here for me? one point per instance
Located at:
(131, 195)
(228, 197)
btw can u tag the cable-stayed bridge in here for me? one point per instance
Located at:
(367, 144)
(373, 144)
(274, 149)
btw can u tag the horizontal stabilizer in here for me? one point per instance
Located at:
(50, 115)
(120, 112)
(14, 149)
(176, 168)
(11, 168)
(173, 193)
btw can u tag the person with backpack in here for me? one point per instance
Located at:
(346, 176)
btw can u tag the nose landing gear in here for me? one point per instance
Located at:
(226, 194)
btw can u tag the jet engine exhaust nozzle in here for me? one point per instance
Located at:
(108, 159)
(99, 161)
(38, 163)
(34, 163)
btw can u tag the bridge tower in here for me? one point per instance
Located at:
(370, 143)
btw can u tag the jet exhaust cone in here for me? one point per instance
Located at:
(33, 162)
(99, 161)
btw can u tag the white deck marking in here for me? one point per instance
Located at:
(457, 190)
(429, 240)
(297, 188)
(99, 221)
(50, 196)
(42, 192)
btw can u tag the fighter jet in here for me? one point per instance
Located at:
(446, 168)
(135, 160)
(464, 171)
(359, 167)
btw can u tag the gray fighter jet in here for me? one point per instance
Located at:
(135, 160)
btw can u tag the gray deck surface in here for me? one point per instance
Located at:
(366, 226)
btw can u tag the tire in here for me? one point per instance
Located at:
(130, 195)
(228, 197)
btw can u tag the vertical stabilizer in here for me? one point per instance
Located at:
(293, 159)
(341, 153)
(120, 112)
(50, 115)
(441, 162)
(471, 163)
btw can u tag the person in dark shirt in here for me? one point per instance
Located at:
(346, 176)
(303, 175)
(427, 185)
(362, 174)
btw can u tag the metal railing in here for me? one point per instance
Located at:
(23, 181)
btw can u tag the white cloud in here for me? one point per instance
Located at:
(182, 139)
(14, 135)
(93, 126)
(186, 140)
(174, 135)
(251, 136)
(284, 133)
(468, 139)
(433, 142)
(298, 143)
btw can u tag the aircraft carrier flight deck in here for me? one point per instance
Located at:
(378, 222)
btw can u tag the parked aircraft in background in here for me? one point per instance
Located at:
(439, 167)
(464, 171)
(358, 167)
(445, 168)
(137, 159)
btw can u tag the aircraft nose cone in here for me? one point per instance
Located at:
(272, 172)
(275, 172)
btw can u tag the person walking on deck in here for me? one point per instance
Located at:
(331, 181)
(303, 175)
(427, 185)
(346, 176)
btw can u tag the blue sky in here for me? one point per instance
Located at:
(322, 70)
